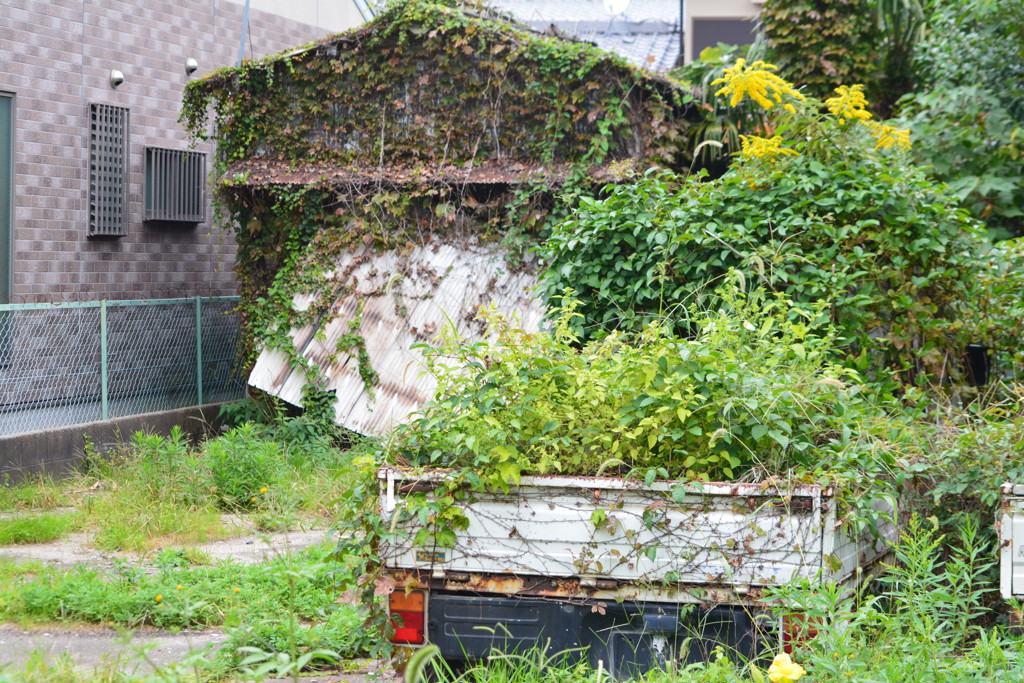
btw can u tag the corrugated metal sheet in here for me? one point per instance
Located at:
(407, 296)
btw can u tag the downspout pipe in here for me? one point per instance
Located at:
(245, 32)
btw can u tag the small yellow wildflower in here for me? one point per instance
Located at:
(263, 489)
(236, 589)
(887, 137)
(764, 148)
(178, 587)
(755, 81)
(849, 103)
(158, 597)
(253, 499)
(784, 669)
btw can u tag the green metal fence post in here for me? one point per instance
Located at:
(199, 349)
(104, 396)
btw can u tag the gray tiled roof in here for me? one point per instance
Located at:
(646, 33)
(589, 10)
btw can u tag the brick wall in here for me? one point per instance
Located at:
(56, 57)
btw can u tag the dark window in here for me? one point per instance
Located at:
(711, 32)
(174, 185)
(108, 171)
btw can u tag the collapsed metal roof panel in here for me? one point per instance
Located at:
(396, 299)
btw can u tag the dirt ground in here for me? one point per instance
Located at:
(140, 653)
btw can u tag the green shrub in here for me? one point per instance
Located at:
(898, 266)
(971, 142)
(243, 465)
(754, 389)
(974, 43)
(828, 210)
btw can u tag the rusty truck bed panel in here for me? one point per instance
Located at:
(694, 538)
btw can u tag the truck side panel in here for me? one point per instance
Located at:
(560, 527)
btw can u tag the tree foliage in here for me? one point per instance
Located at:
(969, 107)
(821, 44)
(815, 212)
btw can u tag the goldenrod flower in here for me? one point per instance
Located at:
(755, 81)
(887, 137)
(764, 148)
(158, 597)
(784, 669)
(849, 103)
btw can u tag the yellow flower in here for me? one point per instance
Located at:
(887, 137)
(784, 669)
(764, 148)
(236, 589)
(178, 587)
(158, 597)
(755, 81)
(849, 103)
(263, 489)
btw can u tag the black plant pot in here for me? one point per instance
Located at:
(977, 364)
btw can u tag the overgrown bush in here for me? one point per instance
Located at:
(826, 210)
(753, 393)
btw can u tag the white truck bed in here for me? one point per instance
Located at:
(742, 536)
(1011, 542)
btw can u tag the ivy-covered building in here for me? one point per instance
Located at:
(390, 180)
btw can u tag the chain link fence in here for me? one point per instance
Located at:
(65, 364)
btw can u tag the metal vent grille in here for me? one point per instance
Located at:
(108, 171)
(174, 185)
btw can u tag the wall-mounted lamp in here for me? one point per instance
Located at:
(191, 65)
(116, 78)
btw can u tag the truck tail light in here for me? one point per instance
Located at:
(410, 609)
(798, 629)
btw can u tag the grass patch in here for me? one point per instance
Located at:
(286, 605)
(141, 524)
(32, 493)
(299, 590)
(11, 570)
(37, 529)
(159, 491)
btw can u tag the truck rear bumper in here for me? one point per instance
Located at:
(628, 638)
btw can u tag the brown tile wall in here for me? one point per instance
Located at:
(56, 56)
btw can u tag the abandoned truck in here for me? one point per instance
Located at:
(628, 574)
